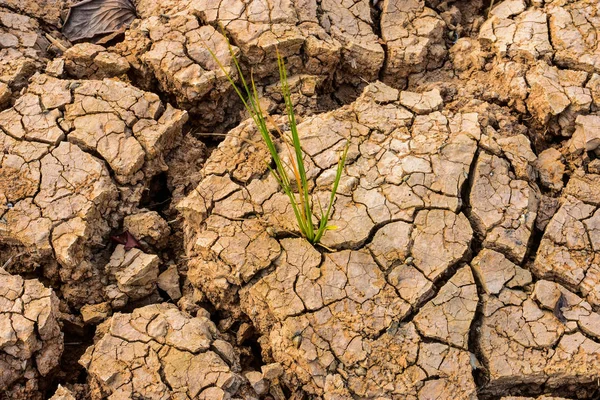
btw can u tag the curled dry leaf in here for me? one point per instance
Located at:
(90, 18)
(127, 240)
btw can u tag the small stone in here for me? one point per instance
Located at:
(551, 169)
(136, 272)
(62, 393)
(148, 226)
(594, 166)
(169, 282)
(258, 383)
(244, 332)
(56, 67)
(493, 270)
(297, 340)
(95, 313)
(587, 134)
(272, 371)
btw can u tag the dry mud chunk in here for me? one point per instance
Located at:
(551, 169)
(95, 313)
(351, 25)
(548, 207)
(448, 233)
(260, 385)
(318, 30)
(22, 49)
(58, 198)
(343, 277)
(517, 150)
(158, 352)
(169, 282)
(503, 208)
(148, 226)
(5, 94)
(47, 10)
(587, 134)
(27, 120)
(504, 82)
(173, 50)
(495, 271)
(539, 339)
(517, 34)
(185, 163)
(568, 307)
(86, 60)
(594, 86)
(574, 29)
(395, 364)
(128, 127)
(305, 90)
(414, 38)
(327, 315)
(448, 316)
(569, 248)
(62, 393)
(31, 342)
(171, 46)
(230, 254)
(391, 243)
(73, 191)
(557, 92)
(135, 272)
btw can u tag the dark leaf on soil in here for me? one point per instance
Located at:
(562, 302)
(90, 18)
(126, 239)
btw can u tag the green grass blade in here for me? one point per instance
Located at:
(290, 194)
(267, 136)
(303, 184)
(302, 207)
(336, 182)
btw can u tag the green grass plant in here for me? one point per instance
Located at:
(301, 202)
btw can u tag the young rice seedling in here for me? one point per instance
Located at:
(301, 202)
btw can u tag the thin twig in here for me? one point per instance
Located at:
(56, 42)
(490, 9)
(7, 263)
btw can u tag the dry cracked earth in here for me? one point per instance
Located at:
(147, 253)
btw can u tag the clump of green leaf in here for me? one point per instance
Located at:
(301, 202)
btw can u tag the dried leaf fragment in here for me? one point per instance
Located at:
(90, 18)
(127, 240)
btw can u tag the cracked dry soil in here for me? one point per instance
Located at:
(466, 263)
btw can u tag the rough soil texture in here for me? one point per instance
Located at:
(147, 252)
